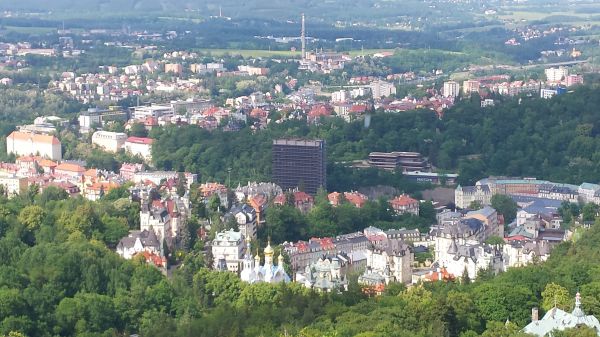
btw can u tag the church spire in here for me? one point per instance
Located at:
(248, 247)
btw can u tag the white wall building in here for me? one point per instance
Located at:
(382, 89)
(253, 272)
(339, 96)
(137, 242)
(359, 92)
(392, 260)
(109, 141)
(587, 191)
(25, 143)
(451, 89)
(465, 195)
(518, 254)
(156, 111)
(228, 250)
(556, 74)
(139, 146)
(13, 185)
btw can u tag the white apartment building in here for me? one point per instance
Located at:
(359, 92)
(451, 89)
(109, 141)
(339, 96)
(382, 89)
(556, 74)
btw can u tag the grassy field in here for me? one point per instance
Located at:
(520, 14)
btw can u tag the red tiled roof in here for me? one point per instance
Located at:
(355, 198)
(257, 201)
(403, 200)
(140, 140)
(303, 197)
(258, 113)
(280, 199)
(358, 108)
(154, 259)
(318, 111)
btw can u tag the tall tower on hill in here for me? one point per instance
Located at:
(303, 37)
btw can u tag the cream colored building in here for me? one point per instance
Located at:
(109, 141)
(13, 185)
(465, 195)
(27, 143)
(228, 250)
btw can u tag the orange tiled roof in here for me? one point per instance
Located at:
(47, 163)
(36, 138)
(334, 198)
(403, 200)
(257, 202)
(439, 275)
(355, 198)
(26, 159)
(107, 186)
(258, 113)
(302, 197)
(70, 167)
(280, 199)
(91, 173)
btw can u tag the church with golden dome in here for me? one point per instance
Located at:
(254, 272)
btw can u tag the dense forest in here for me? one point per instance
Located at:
(556, 139)
(58, 277)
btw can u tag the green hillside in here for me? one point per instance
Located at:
(286, 9)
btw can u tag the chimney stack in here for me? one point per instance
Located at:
(534, 315)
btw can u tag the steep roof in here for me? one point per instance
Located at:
(35, 138)
(403, 200)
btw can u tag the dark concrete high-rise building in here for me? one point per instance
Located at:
(299, 164)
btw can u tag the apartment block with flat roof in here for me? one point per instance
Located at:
(299, 164)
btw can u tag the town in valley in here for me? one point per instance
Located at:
(297, 169)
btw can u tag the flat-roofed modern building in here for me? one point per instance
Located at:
(407, 161)
(109, 141)
(299, 164)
